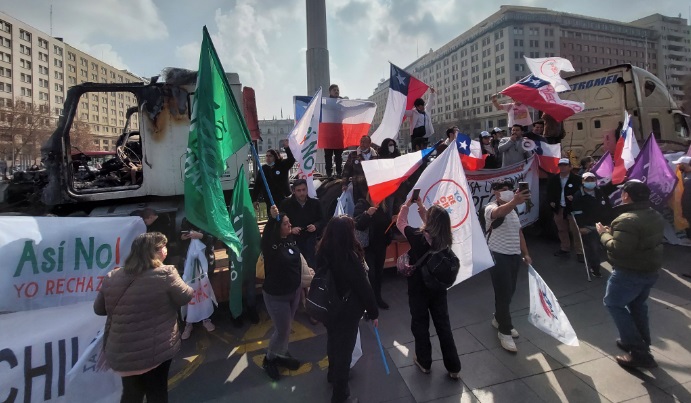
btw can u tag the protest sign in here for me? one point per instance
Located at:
(55, 261)
(44, 356)
(480, 185)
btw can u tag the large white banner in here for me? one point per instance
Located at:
(303, 142)
(56, 261)
(444, 183)
(42, 357)
(480, 184)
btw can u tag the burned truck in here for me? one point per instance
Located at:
(147, 167)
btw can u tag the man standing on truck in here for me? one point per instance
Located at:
(511, 148)
(519, 113)
(331, 154)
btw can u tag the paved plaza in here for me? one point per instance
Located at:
(226, 365)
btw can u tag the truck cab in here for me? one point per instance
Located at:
(607, 93)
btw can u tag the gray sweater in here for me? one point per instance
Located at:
(512, 151)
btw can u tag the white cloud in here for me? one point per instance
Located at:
(103, 51)
(188, 55)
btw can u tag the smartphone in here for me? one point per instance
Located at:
(522, 186)
(416, 195)
(185, 232)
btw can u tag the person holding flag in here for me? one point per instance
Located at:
(421, 127)
(518, 113)
(509, 249)
(277, 172)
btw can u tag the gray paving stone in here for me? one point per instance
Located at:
(402, 354)
(567, 355)
(513, 391)
(601, 337)
(482, 368)
(437, 384)
(562, 386)
(587, 313)
(466, 397)
(612, 381)
(529, 360)
(654, 396)
(681, 392)
(466, 342)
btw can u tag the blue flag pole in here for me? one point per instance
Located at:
(261, 173)
(381, 350)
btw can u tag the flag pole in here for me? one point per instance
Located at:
(381, 350)
(580, 238)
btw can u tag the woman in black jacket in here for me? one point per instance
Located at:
(340, 252)
(373, 221)
(277, 173)
(434, 235)
(283, 270)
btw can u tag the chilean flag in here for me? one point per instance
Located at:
(540, 94)
(625, 153)
(471, 152)
(404, 89)
(343, 122)
(548, 155)
(384, 176)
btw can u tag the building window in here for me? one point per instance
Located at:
(26, 92)
(42, 43)
(71, 68)
(59, 87)
(43, 57)
(4, 42)
(25, 78)
(4, 87)
(57, 50)
(57, 63)
(43, 70)
(5, 26)
(534, 32)
(25, 63)
(25, 35)
(518, 30)
(71, 57)
(25, 50)
(83, 62)
(59, 75)
(5, 72)
(43, 96)
(5, 57)
(72, 80)
(519, 67)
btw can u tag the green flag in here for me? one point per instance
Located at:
(217, 130)
(246, 229)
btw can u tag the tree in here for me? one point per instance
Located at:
(81, 136)
(24, 127)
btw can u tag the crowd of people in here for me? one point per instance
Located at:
(142, 299)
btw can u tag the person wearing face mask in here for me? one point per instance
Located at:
(634, 248)
(389, 149)
(590, 206)
(277, 171)
(508, 247)
(353, 166)
(489, 150)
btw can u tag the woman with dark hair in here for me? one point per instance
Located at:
(373, 222)
(341, 253)
(277, 173)
(141, 301)
(389, 149)
(435, 235)
(283, 273)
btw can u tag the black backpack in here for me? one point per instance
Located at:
(322, 297)
(495, 223)
(439, 269)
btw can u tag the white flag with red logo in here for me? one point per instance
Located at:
(545, 312)
(444, 183)
(548, 68)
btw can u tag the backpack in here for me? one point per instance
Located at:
(495, 223)
(322, 297)
(439, 269)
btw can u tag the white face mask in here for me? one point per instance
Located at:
(392, 149)
(506, 195)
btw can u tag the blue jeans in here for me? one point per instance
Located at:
(626, 299)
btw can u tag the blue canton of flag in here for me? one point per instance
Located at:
(463, 143)
(399, 81)
(533, 82)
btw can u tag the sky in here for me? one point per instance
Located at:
(265, 41)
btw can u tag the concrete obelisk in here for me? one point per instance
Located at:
(317, 49)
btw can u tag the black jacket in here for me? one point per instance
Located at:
(573, 184)
(277, 177)
(591, 209)
(350, 275)
(302, 216)
(376, 224)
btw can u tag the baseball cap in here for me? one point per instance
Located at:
(682, 160)
(564, 161)
(498, 129)
(588, 175)
(484, 133)
(637, 190)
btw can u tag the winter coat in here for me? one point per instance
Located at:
(635, 242)
(554, 189)
(143, 326)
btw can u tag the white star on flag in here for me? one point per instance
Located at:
(401, 79)
(535, 82)
(463, 145)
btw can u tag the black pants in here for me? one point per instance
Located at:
(423, 303)
(308, 245)
(375, 255)
(331, 154)
(152, 384)
(419, 143)
(504, 275)
(591, 247)
(341, 331)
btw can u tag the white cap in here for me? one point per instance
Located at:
(588, 175)
(498, 129)
(485, 133)
(564, 161)
(683, 160)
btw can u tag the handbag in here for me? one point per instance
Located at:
(307, 273)
(403, 266)
(362, 237)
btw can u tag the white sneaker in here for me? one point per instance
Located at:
(514, 332)
(187, 332)
(208, 325)
(507, 342)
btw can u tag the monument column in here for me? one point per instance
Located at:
(317, 49)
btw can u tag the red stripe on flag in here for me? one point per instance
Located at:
(340, 135)
(416, 89)
(619, 171)
(472, 163)
(549, 164)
